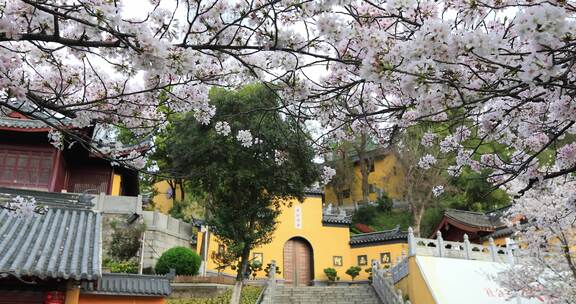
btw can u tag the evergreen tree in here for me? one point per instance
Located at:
(249, 162)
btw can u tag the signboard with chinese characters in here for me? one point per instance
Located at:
(298, 217)
(385, 258)
(258, 257)
(337, 260)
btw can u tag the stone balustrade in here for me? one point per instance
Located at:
(459, 250)
(384, 285)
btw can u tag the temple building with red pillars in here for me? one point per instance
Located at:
(29, 161)
(479, 226)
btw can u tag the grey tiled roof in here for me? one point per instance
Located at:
(21, 123)
(507, 231)
(62, 244)
(489, 220)
(128, 284)
(336, 219)
(32, 123)
(314, 191)
(379, 236)
(49, 199)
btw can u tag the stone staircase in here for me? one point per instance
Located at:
(355, 294)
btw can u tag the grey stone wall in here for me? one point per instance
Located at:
(107, 230)
(162, 233)
(115, 208)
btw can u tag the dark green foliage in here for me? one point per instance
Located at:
(182, 259)
(430, 220)
(475, 193)
(189, 208)
(378, 220)
(353, 271)
(384, 203)
(148, 270)
(267, 269)
(253, 268)
(224, 259)
(354, 230)
(121, 267)
(178, 210)
(365, 215)
(331, 274)
(244, 184)
(126, 240)
(369, 272)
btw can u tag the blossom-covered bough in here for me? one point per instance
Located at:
(494, 79)
(548, 267)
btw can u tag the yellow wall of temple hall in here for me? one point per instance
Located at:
(387, 176)
(301, 227)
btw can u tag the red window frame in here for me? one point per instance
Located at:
(28, 168)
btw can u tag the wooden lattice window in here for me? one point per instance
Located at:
(92, 180)
(23, 168)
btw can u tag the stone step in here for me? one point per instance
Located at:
(356, 294)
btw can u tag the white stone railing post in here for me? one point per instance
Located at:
(492, 249)
(399, 297)
(272, 272)
(440, 243)
(467, 252)
(411, 242)
(375, 268)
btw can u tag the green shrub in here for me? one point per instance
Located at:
(267, 270)
(121, 266)
(331, 273)
(353, 271)
(431, 218)
(384, 203)
(126, 240)
(365, 215)
(182, 259)
(369, 272)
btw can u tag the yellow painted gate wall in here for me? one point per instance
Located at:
(116, 184)
(374, 252)
(161, 200)
(326, 241)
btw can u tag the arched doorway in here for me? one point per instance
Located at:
(298, 262)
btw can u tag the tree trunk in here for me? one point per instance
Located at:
(242, 270)
(339, 198)
(418, 213)
(181, 185)
(172, 185)
(365, 169)
(364, 166)
(236, 293)
(240, 276)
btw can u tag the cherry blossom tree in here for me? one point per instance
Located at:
(546, 264)
(503, 69)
